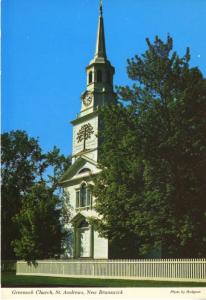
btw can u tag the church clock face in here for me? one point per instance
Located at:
(87, 100)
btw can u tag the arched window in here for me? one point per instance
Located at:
(83, 196)
(90, 76)
(84, 170)
(99, 76)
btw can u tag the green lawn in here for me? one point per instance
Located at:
(11, 280)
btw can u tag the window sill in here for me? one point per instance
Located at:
(83, 208)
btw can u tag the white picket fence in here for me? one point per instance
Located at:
(8, 265)
(145, 269)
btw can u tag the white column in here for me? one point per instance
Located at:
(91, 241)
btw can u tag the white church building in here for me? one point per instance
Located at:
(86, 243)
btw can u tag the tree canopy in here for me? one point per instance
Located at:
(31, 198)
(152, 187)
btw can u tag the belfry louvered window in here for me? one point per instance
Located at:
(99, 76)
(90, 77)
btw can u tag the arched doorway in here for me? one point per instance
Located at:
(83, 235)
(83, 238)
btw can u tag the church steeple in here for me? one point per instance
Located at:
(99, 90)
(100, 43)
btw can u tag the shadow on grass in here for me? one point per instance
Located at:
(11, 280)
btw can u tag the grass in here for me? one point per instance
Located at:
(11, 280)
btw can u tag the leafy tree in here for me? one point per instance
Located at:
(39, 226)
(154, 157)
(118, 186)
(30, 194)
(20, 157)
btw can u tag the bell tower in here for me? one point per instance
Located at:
(85, 241)
(99, 91)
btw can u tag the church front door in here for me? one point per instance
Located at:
(84, 240)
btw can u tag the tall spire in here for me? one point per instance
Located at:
(100, 7)
(100, 44)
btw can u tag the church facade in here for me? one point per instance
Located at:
(85, 241)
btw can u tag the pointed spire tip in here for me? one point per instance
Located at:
(100, 43)
(100, 7)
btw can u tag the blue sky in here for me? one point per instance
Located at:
(48, 43)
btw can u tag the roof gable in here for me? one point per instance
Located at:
(75, 168)
(78, 218)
